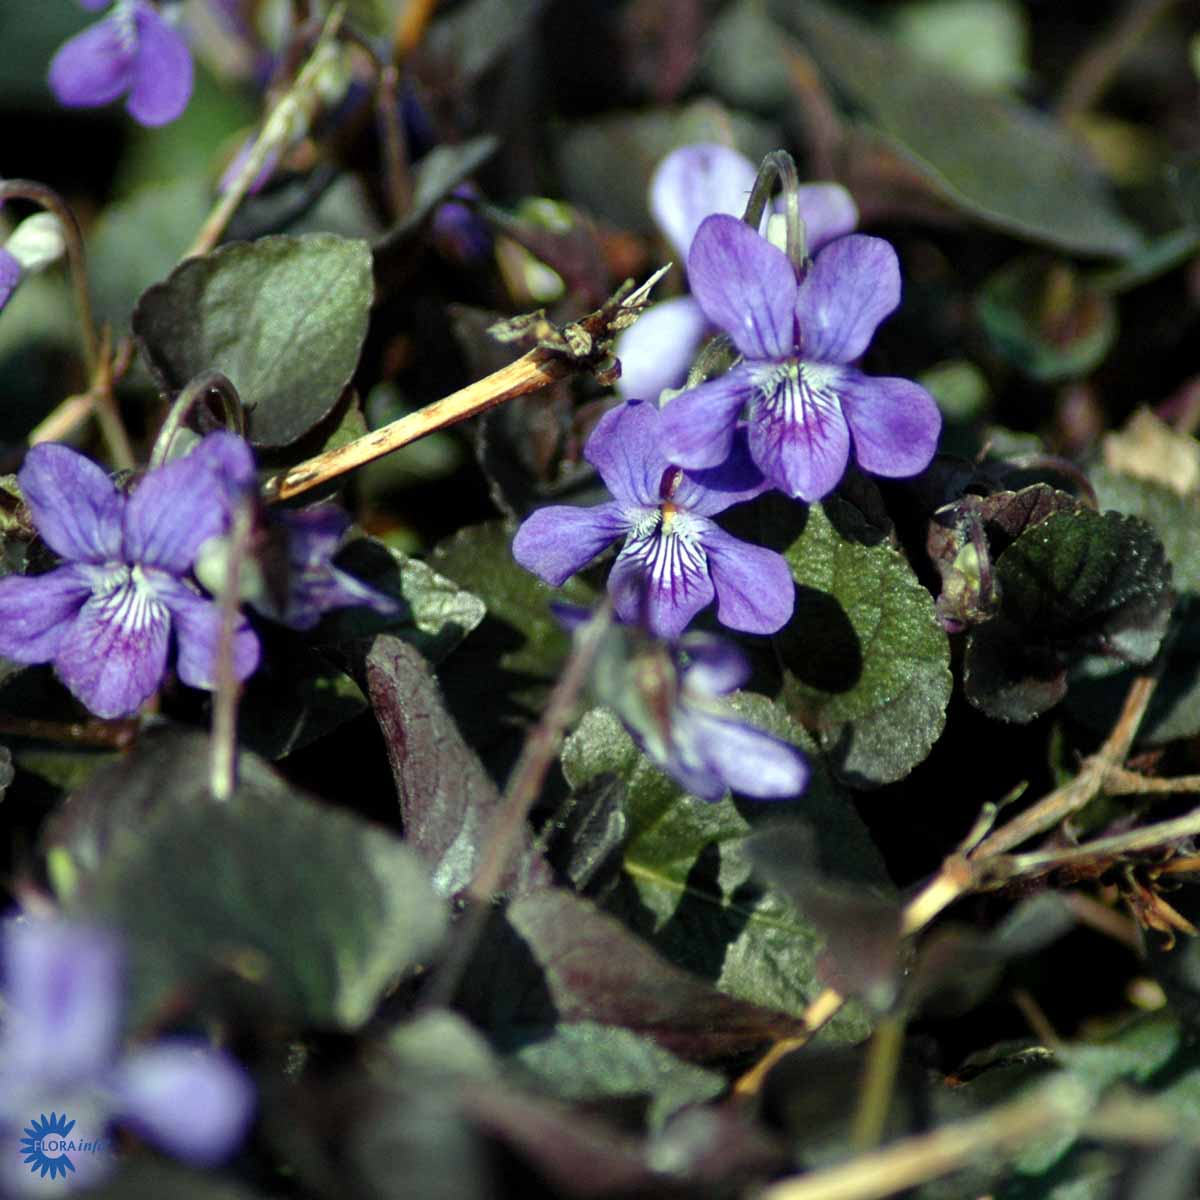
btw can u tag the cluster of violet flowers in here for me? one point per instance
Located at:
(785, 416)
(61, 1053)
(105, 617)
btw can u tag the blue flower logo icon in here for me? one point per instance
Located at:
(44, 1145)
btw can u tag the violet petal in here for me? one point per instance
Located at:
(75, 506)
(113, 655)
(556, 542)
(626, 448)
(660, 580)
(755, 591)
(852, 285)
(37, 610)
(197, 634)
(162, 73)
(698, 425)
(173, 512)
(191, 1100)
(94, 67)
(894, 422)
(714, 666)
(657, 351)
(799, 438)
(711, 490)
(745, 285)
(692, 183)
(750, 761)
(64, 990)
(10, 276)
(828, 212)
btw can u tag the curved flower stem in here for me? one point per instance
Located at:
(524, 787)
(780, 165)
(289, 112)
(223, 755)
(211, 383)
(95, 348)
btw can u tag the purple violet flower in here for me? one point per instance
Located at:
(293, 552)
(803, 400)
(60, 1053)
(104, 617)
(133, 50)
(10, 275)
(667, 696)
(692, 183)
(675, 558)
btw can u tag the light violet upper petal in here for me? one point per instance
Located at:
(656, 351)
(698, 426)
(755, 591)
(828, 212)
(894, 423)
(744, 285)
(556, 542)
(197, 635)
(37, 610)
(692, 183)
(749, 760)
(714, 489)
(172, 512)
(626, 448)
(660, 581)
(193, 1101)
(162, 71)
(714, 667)
(853, 284)
(75, 506)
(799, 437)
(64, 992)
(113, 655)
(94, 67)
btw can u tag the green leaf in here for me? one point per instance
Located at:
(688, 884)
(1002, 161)
(1076, 583)
(866, 662)
(585, 1061)
(283, 317)
(435, 614)
(1045, 320)
(321, 907)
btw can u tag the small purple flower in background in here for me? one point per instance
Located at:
(675, 558)
(133, 50)
(60, 1053)
(803, 400)
(290, 577)
(104, 617)
(692, 183)
(10, 275)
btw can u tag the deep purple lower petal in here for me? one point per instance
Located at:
(556, 542)
(75, 506)
(698, 425)
(37, 610)
(660, 580)
(895, 423)
(657, 352)
(113, 655)
(162, 71)
(197, 635)
(65, 992)
(193, 1101)
(95, 66)
(755, 591)
(798, 435)
(749, 760)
